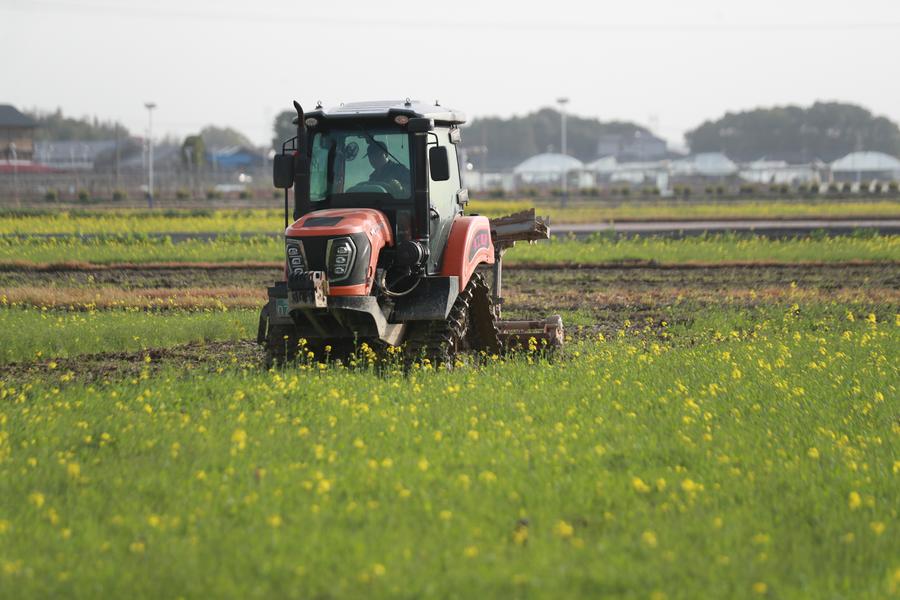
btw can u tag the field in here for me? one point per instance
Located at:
(266, 220)
(722, 424)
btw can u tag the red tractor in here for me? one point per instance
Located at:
(379, 249)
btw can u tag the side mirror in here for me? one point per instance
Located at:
(283, 171)
(439, 163)
(420, 125)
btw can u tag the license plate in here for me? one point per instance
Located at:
(281, 307)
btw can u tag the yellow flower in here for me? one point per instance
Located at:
(137, 547)
(154, 521)
(638, 484)
(877, 527)
(649, 538)
(378, 570)
(239, 438)
(813, 453)
(445, 515)
(563, 529)
(760, 588)
(423, 464)
(470, 551)
(274, 521)
(689, 485)
(854, 500)
(74, 470)
(37, 499)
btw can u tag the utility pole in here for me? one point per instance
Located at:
(15, 166)
(116, 184)
(565, 175)
(150, 106)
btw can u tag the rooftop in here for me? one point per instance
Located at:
(549, 163)
(866, 161)
(385, 108)
(11, 117)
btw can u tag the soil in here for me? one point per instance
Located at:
(593, 300)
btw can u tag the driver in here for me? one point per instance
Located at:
(391, 174)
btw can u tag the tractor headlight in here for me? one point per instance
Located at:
(296, 257)
(341, 256)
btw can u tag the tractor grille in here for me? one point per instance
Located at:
(314, 247)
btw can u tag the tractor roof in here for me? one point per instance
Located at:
(386, 108)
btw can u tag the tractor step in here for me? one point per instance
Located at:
(519, 334)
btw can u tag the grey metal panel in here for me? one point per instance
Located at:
(430, 301)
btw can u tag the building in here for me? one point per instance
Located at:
(779, 172)
(16, 135)
(635, 146)
(706, 165)
(549, 169)
(866, 166)
(234, 158)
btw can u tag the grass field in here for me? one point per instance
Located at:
(592, 250)
(722, 424)
(270, 220)
(749, 453)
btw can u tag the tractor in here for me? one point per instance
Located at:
(378, 248)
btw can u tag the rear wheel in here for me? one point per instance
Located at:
(468, 327)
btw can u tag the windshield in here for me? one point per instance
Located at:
(360, 161)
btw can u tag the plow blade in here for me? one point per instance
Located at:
(532, 335)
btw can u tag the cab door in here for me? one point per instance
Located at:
(443, 199)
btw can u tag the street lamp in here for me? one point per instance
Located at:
(150, 106)
(565, 177)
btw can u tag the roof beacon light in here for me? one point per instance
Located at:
(401, 119)
(311, 122)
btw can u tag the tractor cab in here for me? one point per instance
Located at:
(399, 158)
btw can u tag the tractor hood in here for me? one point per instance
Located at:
(342, 242)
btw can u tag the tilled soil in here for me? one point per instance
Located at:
(824, 276)
(592, 299)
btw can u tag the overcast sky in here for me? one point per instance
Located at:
(664, 63)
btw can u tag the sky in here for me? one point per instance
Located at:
(666, 64)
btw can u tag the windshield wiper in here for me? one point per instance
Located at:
(380, 145)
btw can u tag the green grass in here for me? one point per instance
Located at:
(27, 334)
(750, 454)
(596, 249)
(708, 248)
(269, 220)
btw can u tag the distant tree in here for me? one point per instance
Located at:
(283, 127)
(193, 152)
(220, 137)
(54, 126)
(510, 141)
(823, 131)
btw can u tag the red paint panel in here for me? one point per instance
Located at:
(372, 222)
(468, 246)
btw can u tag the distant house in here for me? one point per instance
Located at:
(72, 155)
(862, 166)
(706, 165)
(234, 158)
(549, 169)
(16, 134)
(636, 146)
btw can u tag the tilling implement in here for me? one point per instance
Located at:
(379, 249)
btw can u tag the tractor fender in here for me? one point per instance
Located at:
(468, 246)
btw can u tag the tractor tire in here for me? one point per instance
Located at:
(468, 327)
